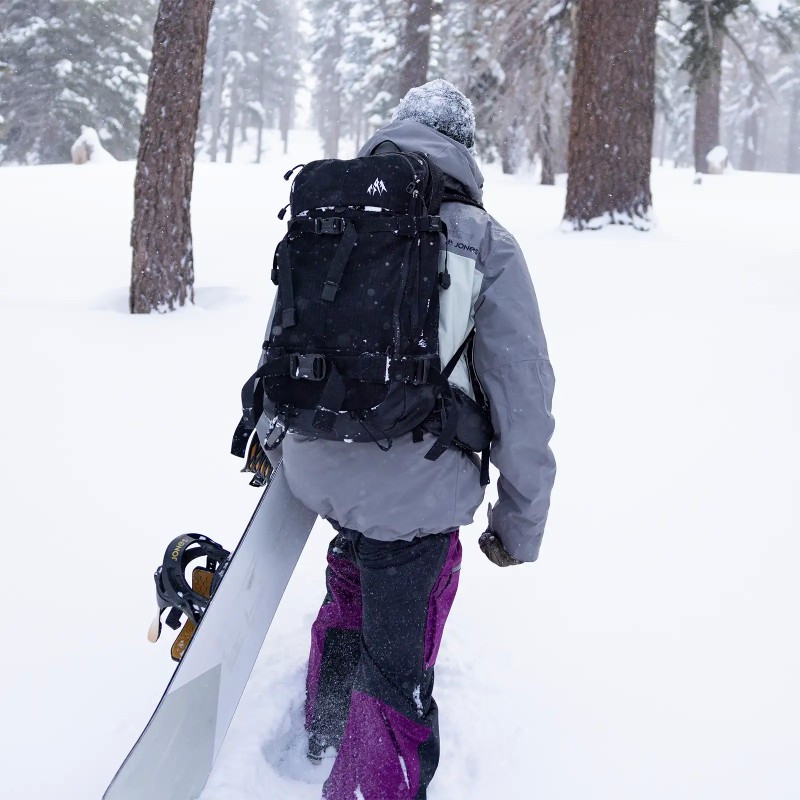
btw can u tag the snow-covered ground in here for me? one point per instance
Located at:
(651, 654)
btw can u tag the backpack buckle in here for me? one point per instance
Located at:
(434, 225)
(307, 366)
(332, 226)
(420, 370)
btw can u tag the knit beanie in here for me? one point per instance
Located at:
(439, 105)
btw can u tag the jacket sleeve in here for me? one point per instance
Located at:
(513, 366)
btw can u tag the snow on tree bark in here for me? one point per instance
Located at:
(613, 111)
(163, 265)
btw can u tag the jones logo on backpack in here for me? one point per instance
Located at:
(352, 352)
(378, 187)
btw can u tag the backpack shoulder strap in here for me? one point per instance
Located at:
(451, 364)
(386, 146)
(450, 193)
(454, 194)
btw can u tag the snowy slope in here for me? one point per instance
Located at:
(651, 653)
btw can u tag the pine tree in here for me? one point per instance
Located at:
(355, 49)
(415, 45)
(71, 64)
(162, 274)
(252, 74)
(519, 81)
(611, 128)
(793, 139)
(783, 30)
(709, 24)
(463, 37)
(674, 96)
(279, 73)
(327, 44)
(704, 36)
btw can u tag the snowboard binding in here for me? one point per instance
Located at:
(173, 591)
(257, 462)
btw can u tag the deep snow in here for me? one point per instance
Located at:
(652, 652)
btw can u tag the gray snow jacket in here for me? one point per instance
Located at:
(399, 494)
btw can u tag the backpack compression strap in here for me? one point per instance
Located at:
(450, 425)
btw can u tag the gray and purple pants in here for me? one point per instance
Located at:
(373, 650)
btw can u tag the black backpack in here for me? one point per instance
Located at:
(352, 353)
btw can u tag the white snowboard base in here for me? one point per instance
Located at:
(175, 753)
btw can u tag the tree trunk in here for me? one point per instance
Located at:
(233, 115)
(707, 109)
(793, 161)
(416, 45)
(286, 113)
(662, 149)
(262, 96)
(333, 126)
(506, 147)
(751, 131)
(285, 116)
(216, 107)
(331, 97)
(162, 273)
(613, 113)
(236, 99)
(546, 147)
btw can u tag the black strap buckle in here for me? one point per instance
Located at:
(432, 224)
(271, 443)
(332, 226)
(418, 371)
(308, 366)
(422, 371)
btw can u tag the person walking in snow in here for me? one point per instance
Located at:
(393, 566)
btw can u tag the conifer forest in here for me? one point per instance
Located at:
(726, 72)
(191, 190)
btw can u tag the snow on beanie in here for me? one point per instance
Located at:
(439, 105)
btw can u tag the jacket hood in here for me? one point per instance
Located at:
(450, 156)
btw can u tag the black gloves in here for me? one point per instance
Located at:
(493, 549)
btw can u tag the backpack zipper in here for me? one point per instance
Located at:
(407, 261)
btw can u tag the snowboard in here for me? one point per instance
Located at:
(173, 757)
